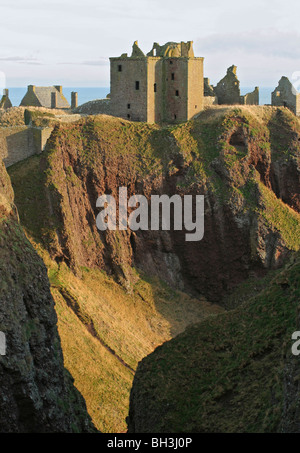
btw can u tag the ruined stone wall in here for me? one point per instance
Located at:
(40, 137)
(208, 88)
(284, 96)
(251, 98)
(20, 142)
(16, 144)
(228, 89)
(210, 100)
(5, 102)
(125, 100)
(195, 82)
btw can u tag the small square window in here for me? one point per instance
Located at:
(128, 106)
(176, 93)
(120, 68)
(195, 106)
(137, 85)
(128, 116)
(171, 62)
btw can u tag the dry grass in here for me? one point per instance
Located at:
(261, 112)
(15, 115)
(132, 325)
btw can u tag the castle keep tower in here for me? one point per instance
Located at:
(166, 85)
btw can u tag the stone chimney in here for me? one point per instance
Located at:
(74, 100)
(59, 88)
(5, 92)
(31, 88)
(54, 100)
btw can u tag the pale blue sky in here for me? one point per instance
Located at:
(69, 42)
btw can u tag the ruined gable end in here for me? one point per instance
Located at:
(228, 89)
(285, 95)
(5, 102)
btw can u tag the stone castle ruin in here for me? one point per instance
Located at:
(5, 101)
(285, 95)
(227, 91)
(165, 85)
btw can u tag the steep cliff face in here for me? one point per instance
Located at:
(37, 393)
(250, 180)
(245, 161)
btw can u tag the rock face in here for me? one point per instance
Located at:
(245, 161)
(37, 394)
(234, 160)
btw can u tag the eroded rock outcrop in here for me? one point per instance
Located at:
(37, 393)
(231, 156)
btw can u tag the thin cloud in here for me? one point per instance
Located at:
(100, 62)
(21, 60)
(269, 43)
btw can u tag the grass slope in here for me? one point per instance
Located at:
(225, 374)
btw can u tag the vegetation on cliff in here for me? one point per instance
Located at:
(113, 308)
(37, 392)
(231, 373)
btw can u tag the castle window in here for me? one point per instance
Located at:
(195, 106)
(175, 116)
(176, 93)
(128, 106)
(128, 116)
(120, 68)
(171, 62)
(137, 85)
(278, 93)
(173, 76)
(155, 88)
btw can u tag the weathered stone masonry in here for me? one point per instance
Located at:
(20, 142)
(166, 85)
(285, 95)
(227, 91)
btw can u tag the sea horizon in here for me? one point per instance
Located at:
(86, 94)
